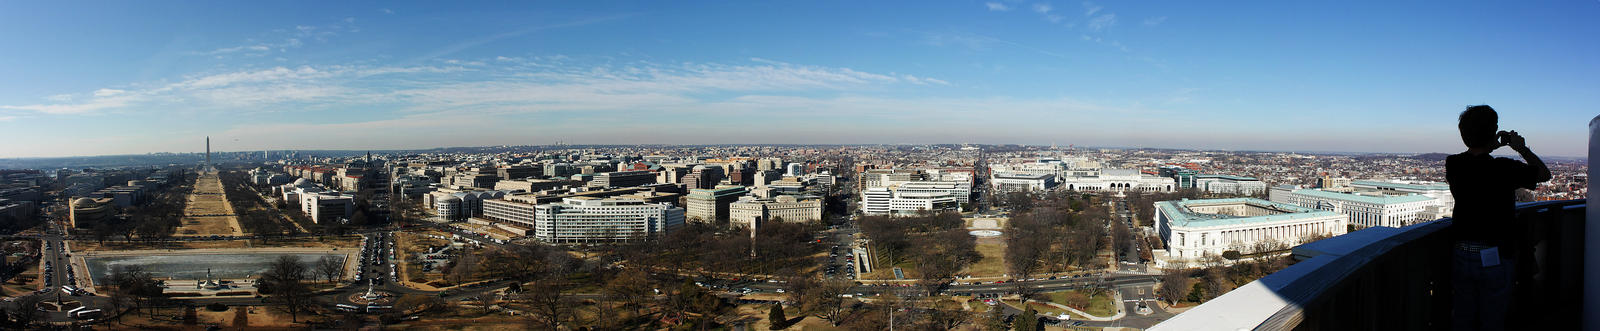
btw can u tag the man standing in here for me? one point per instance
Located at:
(1485, 189)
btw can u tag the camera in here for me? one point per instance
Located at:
(1506, 137)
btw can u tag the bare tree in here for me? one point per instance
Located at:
(329, 268)
(549, 304)
(485, 300)
(1175, 283)
(633, 287)
(132, 282)
(800, 291)
(26, 310)
(286, 281)
(828, 299)
(944, 319)
(464, 261)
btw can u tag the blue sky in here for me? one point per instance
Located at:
(82, 78)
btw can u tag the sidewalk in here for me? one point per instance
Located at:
(1115, 296)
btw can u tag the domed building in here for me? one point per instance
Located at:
(87, 212)
(292, 191)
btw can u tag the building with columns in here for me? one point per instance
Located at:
(1198, 228)
(1117, 180)
(1372, 208)
(1228, 184)
(751, 212)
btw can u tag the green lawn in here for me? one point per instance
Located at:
(1041, 308)
(993, 262)
(887, 273)
(1101, 305)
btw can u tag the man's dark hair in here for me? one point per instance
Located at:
(1478, 126)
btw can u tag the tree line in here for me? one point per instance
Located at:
(937, 245)
(154, 220)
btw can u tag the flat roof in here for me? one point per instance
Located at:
(1179, 214)
(1020, 175)
(1431, 186)
(1228, 177)
(1378, 200)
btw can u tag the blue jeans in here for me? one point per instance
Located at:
(1482, 294)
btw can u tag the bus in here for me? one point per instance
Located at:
(83, 313)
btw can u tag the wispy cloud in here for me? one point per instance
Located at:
(996, 6)
(1089, 8)
(1045, 9)
(1153, 21)
(93, 105)
(290, 38)
(475, 42)
(251, 88)
(1183, 95)
(106, 92)
(505, 84)
(977, 42)
(386, 11)
(963, 40)
(236, 49)
(1102, 22)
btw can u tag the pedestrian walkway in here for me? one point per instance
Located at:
(1116, 297)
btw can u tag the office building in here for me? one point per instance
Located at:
(1226, 184)
(454, 205)
(711, 205)
(474, 180)
(622, 179)
(591, 220)
(1436, 190)
(703, 177)
(17, 210)
(912, 198)
(1196, 228)
(559, 170)
(323, 207)
(1368, 209)
(518, 171)
(1017, 181)
(1118, 180)
(1282, 193)
(534, 185)
(1184, 177)
(751, 212)
(1328, 182)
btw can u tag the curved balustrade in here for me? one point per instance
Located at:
(1399, 279)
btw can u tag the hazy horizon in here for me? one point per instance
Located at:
(136, 78)
(1498, 152)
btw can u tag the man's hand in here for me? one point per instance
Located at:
(1512, 139)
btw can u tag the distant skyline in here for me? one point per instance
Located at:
(138, 77)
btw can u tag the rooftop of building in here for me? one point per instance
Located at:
(1419, 186)
(1370, 198)
(1228, 177)
(1021, 175)
(1180, 214)
(599, 202)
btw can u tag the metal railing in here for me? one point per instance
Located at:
(1400, 279)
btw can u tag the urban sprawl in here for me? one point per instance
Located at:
(864, 237)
